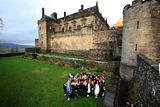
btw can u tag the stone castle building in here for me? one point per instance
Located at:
(85, 32)
(141, 34)
(140, 57)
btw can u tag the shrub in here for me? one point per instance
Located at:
(94, 69)
(32, 50)
(67, 65)
(11, 54)
(59, 63)
(76, 65)
(108, 56)
(34, 55)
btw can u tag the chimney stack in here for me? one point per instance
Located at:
(82, 7)
(54, 15)
(64, 14)
(97, 3)
(106, 20)
(43, 12)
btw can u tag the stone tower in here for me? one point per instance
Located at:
(141, 34)
(42, 28)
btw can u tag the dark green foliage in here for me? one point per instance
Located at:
(32, 50)
(34, 55)
(102, 67)
(76, 65)
(94, 69)
(108, 56)
(11, 54)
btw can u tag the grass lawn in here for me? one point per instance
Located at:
(27, 83)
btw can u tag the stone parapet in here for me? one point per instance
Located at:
(147, 82)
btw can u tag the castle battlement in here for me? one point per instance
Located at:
(136, 3)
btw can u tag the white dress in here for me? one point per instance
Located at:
(96, 91)
(89, 88)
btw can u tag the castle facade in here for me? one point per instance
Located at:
(83, 32)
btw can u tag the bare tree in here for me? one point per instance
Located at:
(1, 28)
(1, 24)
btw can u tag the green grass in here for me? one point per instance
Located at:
(27, 83)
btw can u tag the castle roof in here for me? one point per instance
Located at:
(82, 13)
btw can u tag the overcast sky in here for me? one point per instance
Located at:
(20, 16)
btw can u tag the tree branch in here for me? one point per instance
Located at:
(1, 24)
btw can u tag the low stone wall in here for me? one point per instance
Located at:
(97, 54)
(147, 83)
(84, 53)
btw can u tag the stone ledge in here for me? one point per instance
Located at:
(150, 62)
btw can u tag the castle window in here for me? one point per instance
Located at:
(92, 22)
(79, 27)
(66, 26)
(70, 28)
(41, 43)
(53, 29)
(137, 24)
(62, 29)
(50, 27)
(83, 21)
(74, 25)
(136, 47)
(96, 21)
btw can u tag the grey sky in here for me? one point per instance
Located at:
(20, 16)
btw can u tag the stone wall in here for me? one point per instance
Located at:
(84, 36)
(117, 34)
(84, 53)
(104, 39)
(72, 42)
(95, 45)
(146, 83)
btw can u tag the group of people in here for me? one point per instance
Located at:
(84, 84)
